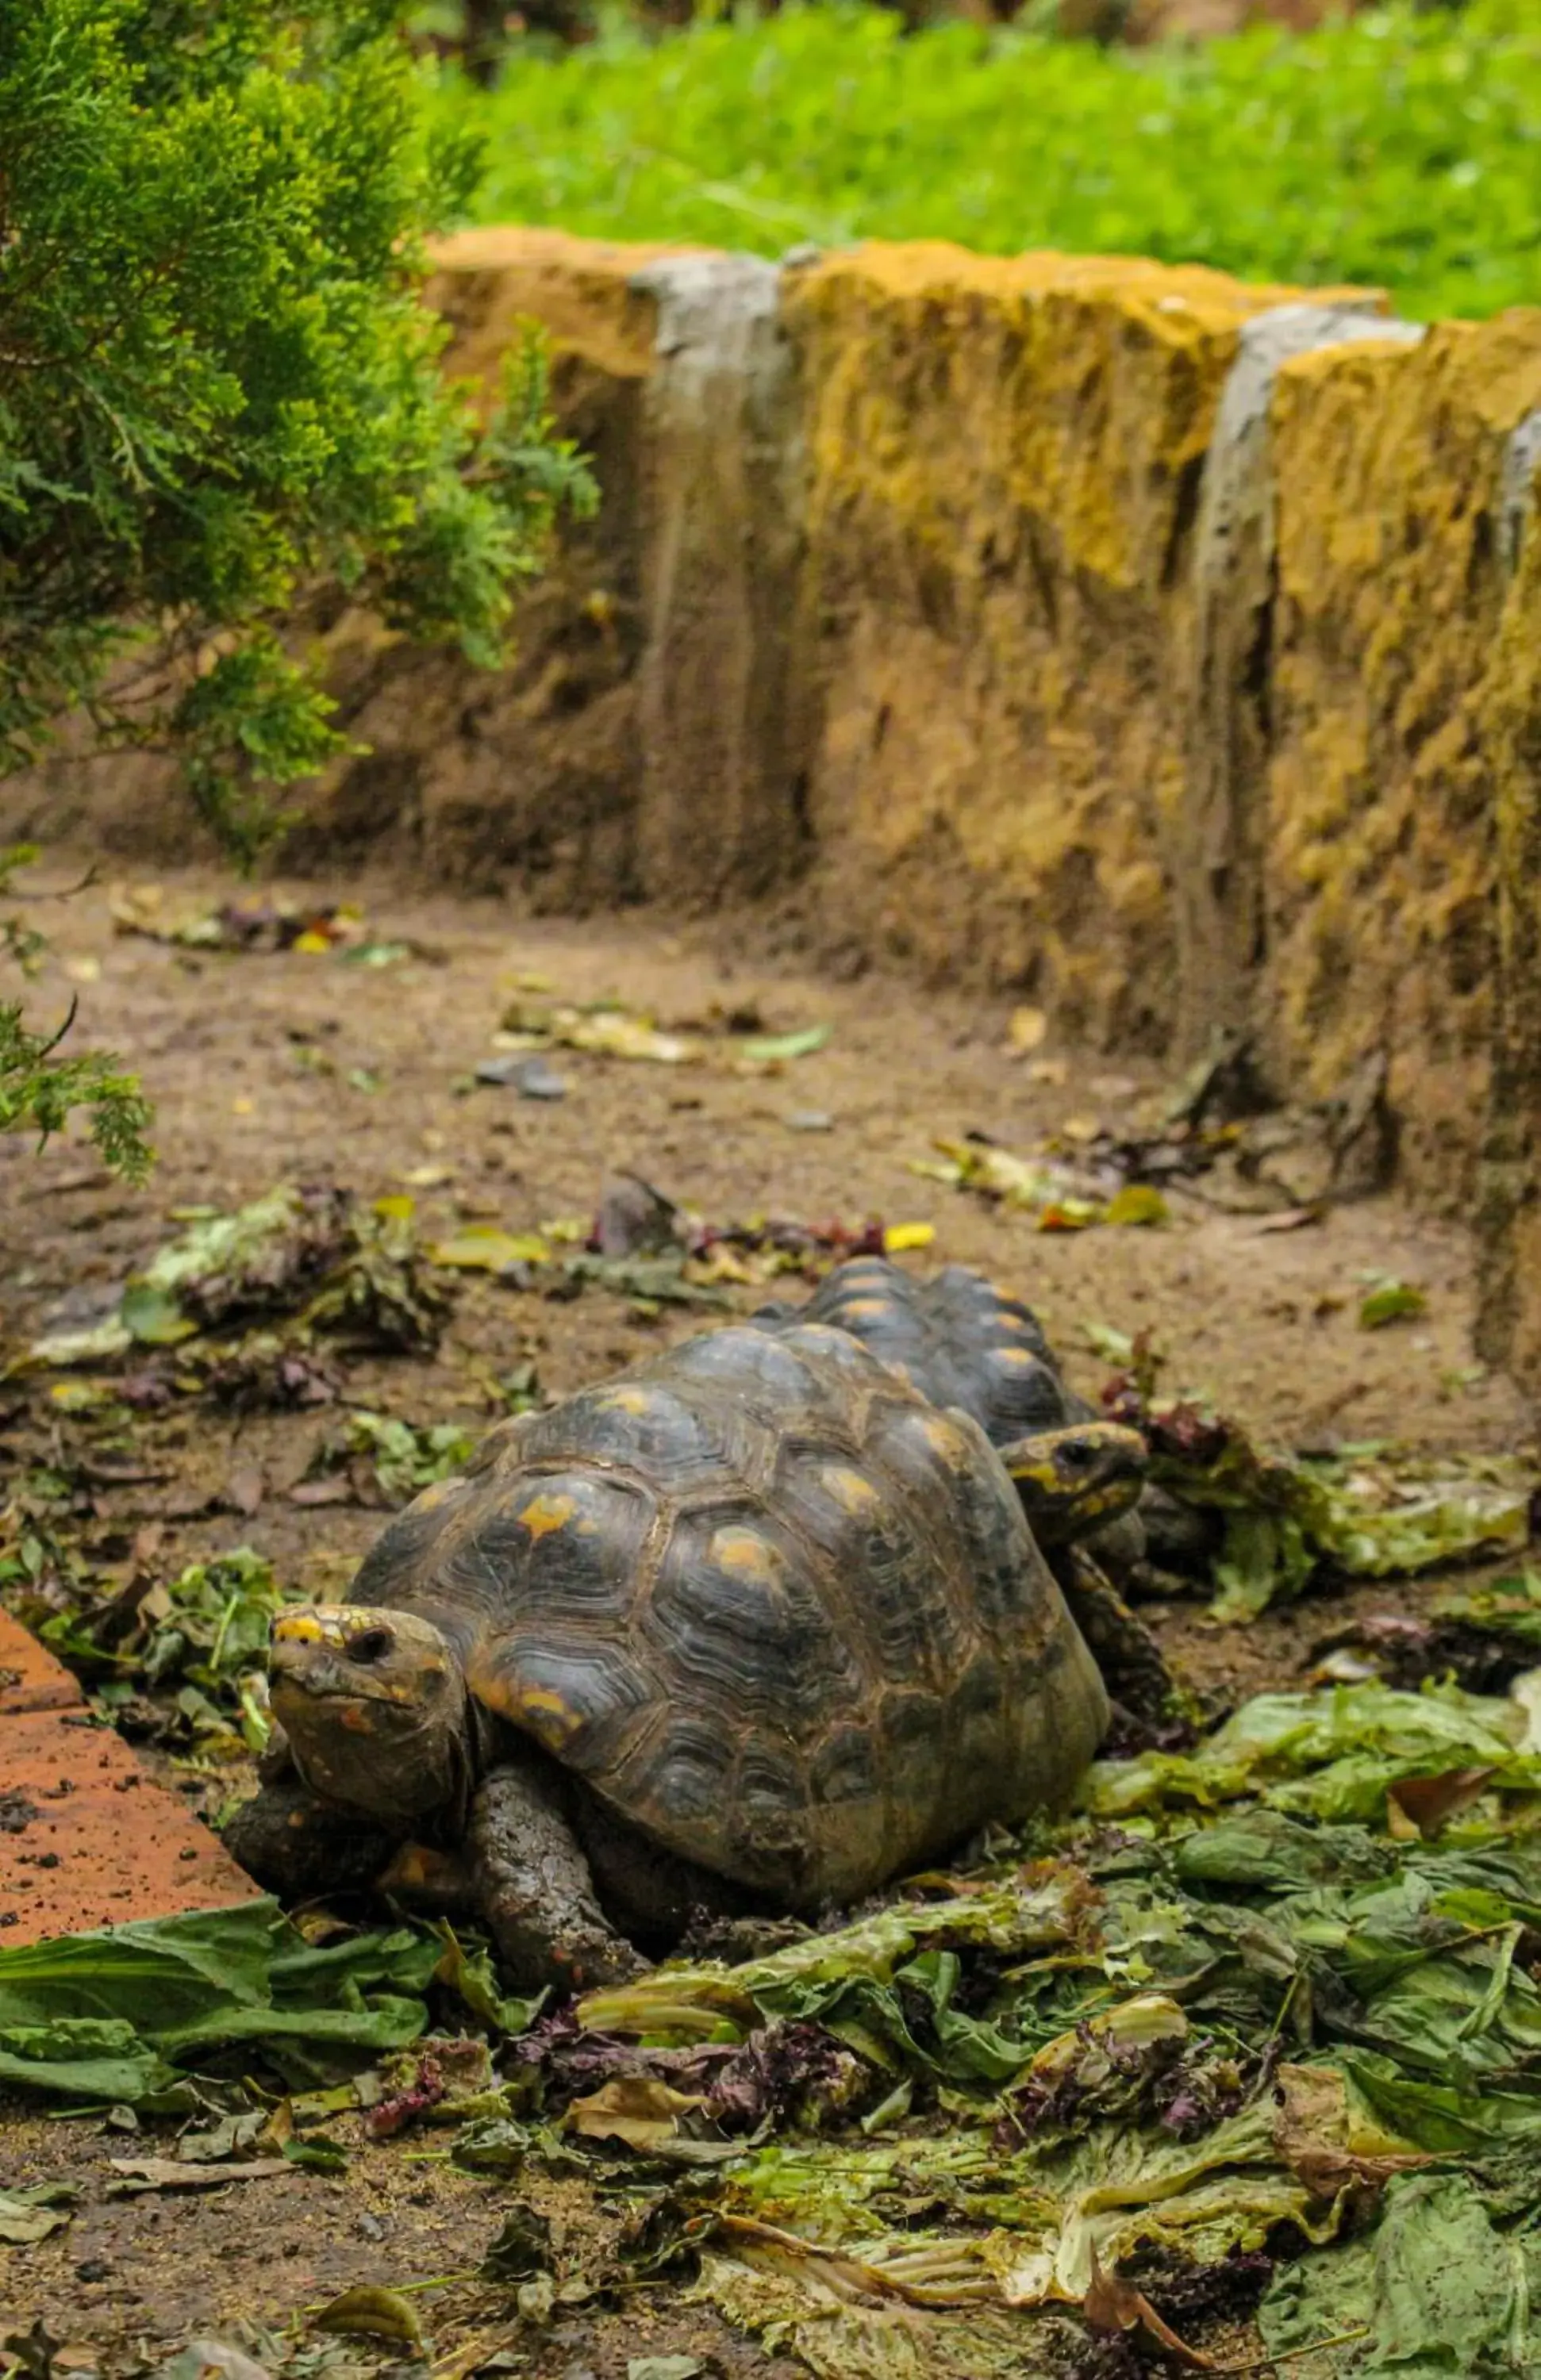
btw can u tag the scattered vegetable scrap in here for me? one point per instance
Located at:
(1237, 2043)
(1219, 1137)
(313, 932)
(1482, 1637)
(606, 1029)
(1390, 1301)
(198, 1643)
(381, 1459)
(1059, 1197)
(644, 1245)
(322, 1260)
(1279, 1522)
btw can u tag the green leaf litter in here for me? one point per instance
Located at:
(1286, 1521)
(1234, 2021)
(317, 1261)
(124, 2015)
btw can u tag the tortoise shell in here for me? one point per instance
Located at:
(962, 1340)
(767, 1601)
(957, 1338)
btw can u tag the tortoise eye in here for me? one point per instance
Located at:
(373, 1645)
(1079, 1455)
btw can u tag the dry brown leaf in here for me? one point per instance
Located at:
(1312, 2136)
(336, 1489)
(1292, 1219)
(245, 1489)
(372, 2314)
(173, 2173)
(1422, 1804)
(1025, 1031)
(634, 2108)
(1113, 2304)
(279, 2127)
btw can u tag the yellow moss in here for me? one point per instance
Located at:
(1378, 864)
(1004, 459)
(486, 280)
(1509, 1320)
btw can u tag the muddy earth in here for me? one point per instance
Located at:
(273, 1066)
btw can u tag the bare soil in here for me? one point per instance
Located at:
(227, 1043)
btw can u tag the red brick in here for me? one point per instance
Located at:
(100, 1841)
(31, 1679)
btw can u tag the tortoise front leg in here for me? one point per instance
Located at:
(535, 1889)
(299, 1846)
(1132, 1665)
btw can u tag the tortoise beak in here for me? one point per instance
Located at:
(315, 1651)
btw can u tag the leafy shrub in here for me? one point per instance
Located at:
(218, 391)
(1402, 149)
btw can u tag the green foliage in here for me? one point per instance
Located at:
(39, 1089)
(218, 391)
(1397, 149)
(409, 1458)
(204, 1634)
(109, 2015)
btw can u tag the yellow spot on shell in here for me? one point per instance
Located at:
(546, 1716)
(436, 1494)
(742, 1550)
(544, 1514)
(850, 1490)
(1005, 1322)
(627, 1400)
(1021, 1357)
(944, 1440)
(863, 1309)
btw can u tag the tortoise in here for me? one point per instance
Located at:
(964, 1341)
(751, 1628)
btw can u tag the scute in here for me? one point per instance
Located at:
(674, 1439)
(686, 1777)
(585, 1701)
(809, 1376)
(859, 1530)
(738, 1619)
(956, 1338)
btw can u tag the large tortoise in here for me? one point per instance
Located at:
(754, 1627)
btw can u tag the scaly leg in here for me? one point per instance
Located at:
(300, 1846)
(1132, 1665)
(535, 1887)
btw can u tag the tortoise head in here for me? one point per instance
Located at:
(374, 1704)
(1071, 1481)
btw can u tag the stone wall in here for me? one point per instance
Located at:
(1158, 648)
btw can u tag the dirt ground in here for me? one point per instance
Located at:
(288, 1066)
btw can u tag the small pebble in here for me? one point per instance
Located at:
(533, 1079)
(808, 1120)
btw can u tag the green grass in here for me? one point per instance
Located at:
(1400, 149)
